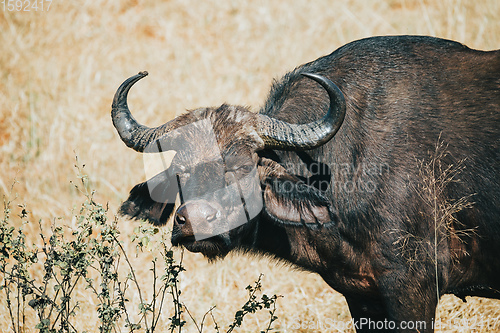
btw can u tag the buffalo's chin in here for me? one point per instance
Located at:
(212, 248)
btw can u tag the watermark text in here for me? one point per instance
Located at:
(25, 5)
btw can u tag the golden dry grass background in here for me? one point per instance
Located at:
(59, 70)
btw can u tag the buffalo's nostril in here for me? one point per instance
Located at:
(180, 219)
(210, 213)
(212, 217)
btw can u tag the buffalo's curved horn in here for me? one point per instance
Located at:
(282, 135)
(133, 134)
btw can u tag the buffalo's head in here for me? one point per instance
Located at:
(220, 173)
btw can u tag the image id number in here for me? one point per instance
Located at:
(26, 5)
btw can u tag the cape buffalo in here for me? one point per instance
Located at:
(399, 208)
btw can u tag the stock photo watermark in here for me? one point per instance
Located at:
(25, 5)
(331, 325)
(216, 199)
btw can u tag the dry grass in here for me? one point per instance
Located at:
(59, 70)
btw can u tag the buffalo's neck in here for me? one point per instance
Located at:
(309, 247)
(268, 238)
(329, 251)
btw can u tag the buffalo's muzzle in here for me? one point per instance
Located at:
(198, 218)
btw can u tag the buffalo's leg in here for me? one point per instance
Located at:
(410, 300)
(395, 314)
(368, 314)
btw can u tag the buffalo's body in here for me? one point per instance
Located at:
(401, 206)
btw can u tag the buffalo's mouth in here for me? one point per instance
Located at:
(212, 247)
(204, 226)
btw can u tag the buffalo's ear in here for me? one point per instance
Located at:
(288, 200)
(153, 200)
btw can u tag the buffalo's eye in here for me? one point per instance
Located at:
(181, 174)
(183, 177)
(241, 170)
(177, 169)
(238, 173)
(245, 169)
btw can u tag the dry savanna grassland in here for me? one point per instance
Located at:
(60, 67)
